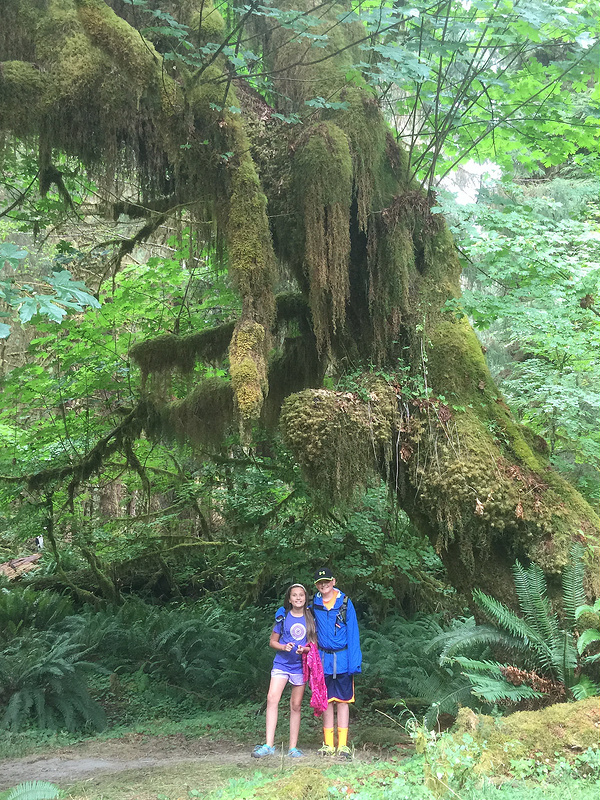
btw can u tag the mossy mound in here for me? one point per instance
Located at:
(562, 730)
(306, 783)
(338, 437)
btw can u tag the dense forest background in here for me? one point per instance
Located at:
(239, 303)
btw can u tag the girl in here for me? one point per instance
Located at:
(294, 628)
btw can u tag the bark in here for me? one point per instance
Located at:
(334, 210)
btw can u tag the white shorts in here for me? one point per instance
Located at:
(295, 678)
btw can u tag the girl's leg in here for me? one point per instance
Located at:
(276, 688)
(295, 706)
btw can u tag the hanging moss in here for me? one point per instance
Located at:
(323, 185)
(203, 416)
(169, 352)
(249, 240)
(21, 85)
(248, 370)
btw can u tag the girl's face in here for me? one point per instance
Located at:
(297, 597)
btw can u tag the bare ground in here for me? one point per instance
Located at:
(132, 752)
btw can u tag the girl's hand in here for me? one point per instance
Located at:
(302, 648)
(288, 647)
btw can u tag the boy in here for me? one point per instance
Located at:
(339, 648)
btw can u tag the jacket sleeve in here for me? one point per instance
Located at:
(354, 651)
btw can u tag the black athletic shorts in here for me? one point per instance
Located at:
(340, 688)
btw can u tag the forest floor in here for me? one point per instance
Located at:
(140, 766)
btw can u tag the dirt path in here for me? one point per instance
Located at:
(135, 751)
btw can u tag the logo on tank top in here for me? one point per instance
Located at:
(298, 631)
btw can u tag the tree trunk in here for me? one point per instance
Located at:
(336, 213)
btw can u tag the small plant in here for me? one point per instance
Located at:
(590, 636)
(34, 790)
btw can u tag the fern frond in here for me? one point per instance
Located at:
(572, 584)
(585, 688)
(503, 617)
(531, 588)
(564, 658)
(494, 690)
(481, 667)
(34, 790)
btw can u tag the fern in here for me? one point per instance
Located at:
(34, 790)
(572, 584)
(44, 677)
(402, 660)
(531, 589)
(536, 643)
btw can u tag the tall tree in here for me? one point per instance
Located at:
(290, 173)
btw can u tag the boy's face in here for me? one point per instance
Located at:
(326, 588)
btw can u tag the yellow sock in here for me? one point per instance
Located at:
(342, 737)
(328, 736)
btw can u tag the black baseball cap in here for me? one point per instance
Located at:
(323, 574)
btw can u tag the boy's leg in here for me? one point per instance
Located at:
(295, 706)
(328, 725)
(343, 719)
(276, 688)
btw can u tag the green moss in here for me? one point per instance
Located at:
(203, 416)
(118, 40)
(169, 352)
(338, 438)
(248, 371)
(560, 731)
(21, 86)
(323, 183)
(306, 783)
(205, 21)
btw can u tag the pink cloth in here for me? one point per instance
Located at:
(312, 669)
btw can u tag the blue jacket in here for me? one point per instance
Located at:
(333, 634)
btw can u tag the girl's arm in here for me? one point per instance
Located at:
(276, 645)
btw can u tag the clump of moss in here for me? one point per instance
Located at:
(306, 783)
(21, 84)
(338, 438)
(563, 730)
(248, 370)
(170, 352)
(249, 240)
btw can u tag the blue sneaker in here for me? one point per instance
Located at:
(262, 750)
(294, 752)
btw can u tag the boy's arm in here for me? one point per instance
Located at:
(354, 651)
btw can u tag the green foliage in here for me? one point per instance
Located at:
(34, 790)
(43, 677)
(483, 82)
(531, 271)
(543, 654)
(400, 662)
(590, 635)
(25, 295)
